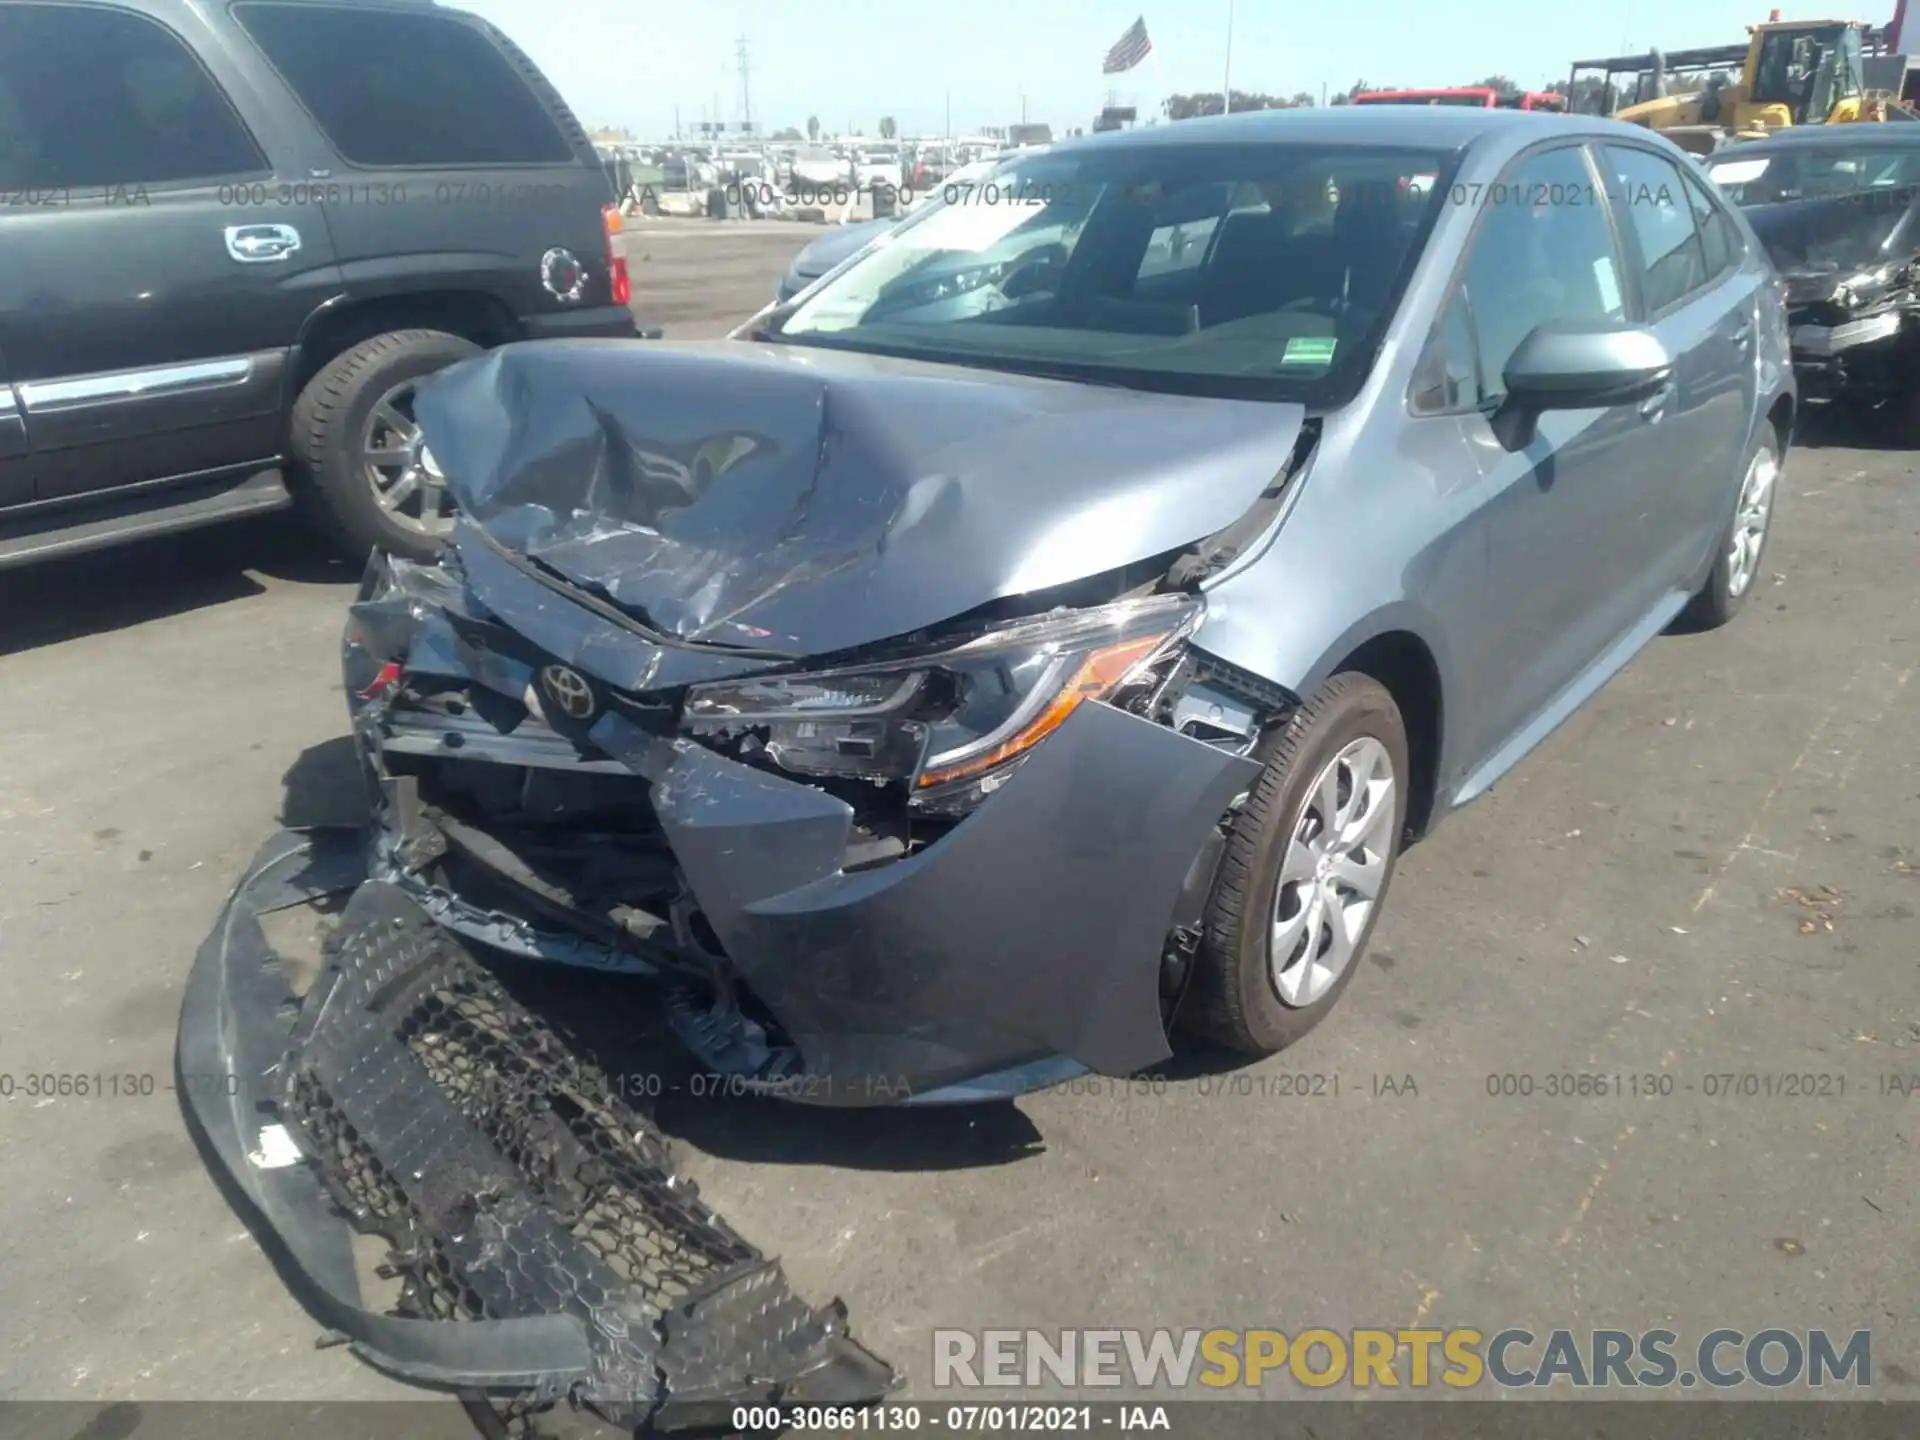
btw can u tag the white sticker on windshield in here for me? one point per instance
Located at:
(1609, 283)
(1738, 172)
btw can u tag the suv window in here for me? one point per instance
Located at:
(1652, 194)
(1553, 260)
(97, 97)
(388, 87)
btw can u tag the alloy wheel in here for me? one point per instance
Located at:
(1750, 522)
(405, 482)
(1334, 869)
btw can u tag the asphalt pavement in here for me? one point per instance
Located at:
(1712, 871)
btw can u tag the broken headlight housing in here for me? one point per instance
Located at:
(951, 724)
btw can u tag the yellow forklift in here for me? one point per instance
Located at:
(1790, 72)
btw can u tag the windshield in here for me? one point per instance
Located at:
(1811, 173)
(1808, 71)
(1260, 271)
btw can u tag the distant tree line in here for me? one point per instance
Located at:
(1186, 107)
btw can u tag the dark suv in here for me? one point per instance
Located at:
(236, 236)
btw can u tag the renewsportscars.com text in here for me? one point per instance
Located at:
(1363, 1359)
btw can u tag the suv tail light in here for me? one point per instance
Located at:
(616, 262)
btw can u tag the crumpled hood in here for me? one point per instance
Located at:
(807, 501)
(1837, 234)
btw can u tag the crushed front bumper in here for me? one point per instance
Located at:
(1025, 944)
(541, 1248)
(1869, 357)
(1039, 936)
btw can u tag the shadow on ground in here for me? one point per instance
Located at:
(105, 590)
(1847, 426)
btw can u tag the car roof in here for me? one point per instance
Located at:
(1825, 137)
(1440, 126)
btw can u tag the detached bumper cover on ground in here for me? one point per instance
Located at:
(542, 1247)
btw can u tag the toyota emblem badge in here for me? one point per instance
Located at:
(569, 690)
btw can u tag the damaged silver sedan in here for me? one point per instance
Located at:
(1045, 631)
(1038, 637)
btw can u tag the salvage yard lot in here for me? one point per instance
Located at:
(1712, 871)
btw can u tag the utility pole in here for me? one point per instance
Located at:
(746, 95)
(676, 122)
(1226, 80)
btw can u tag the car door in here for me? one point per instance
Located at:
(147, 304)
(444, 150)
(1560, 513)
(1703, 308)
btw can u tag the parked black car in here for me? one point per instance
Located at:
(235, 238)
(1838, 209)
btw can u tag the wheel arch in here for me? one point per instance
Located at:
(1404, 662)
(342, 323)
(1780, 416)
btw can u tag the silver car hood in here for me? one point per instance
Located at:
(808, 501)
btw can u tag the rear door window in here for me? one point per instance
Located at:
(402, 89)
(93, 97)
(1651, 194)
(1719, 238)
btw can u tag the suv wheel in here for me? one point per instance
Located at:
(355, 437)
(1306, 870)
(1736, 567)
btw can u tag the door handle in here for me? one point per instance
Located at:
(261, 244)
(1743, 337)
(1655, 405)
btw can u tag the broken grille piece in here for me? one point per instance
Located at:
(513, 1183)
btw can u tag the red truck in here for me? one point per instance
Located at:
(1483, 97)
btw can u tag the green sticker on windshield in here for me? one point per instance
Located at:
(1309, 350)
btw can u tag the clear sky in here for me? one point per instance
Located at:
(630, 62)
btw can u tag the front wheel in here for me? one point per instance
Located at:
(1736, 567)
(359, 447)
(1305, 871)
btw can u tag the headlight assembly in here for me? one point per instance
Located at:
(952, 724)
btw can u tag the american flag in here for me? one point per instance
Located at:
(1129, 50)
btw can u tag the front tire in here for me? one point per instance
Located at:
(1736, 567)
(1305, 872)
(358, 447)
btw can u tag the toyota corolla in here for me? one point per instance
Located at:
(1041, 638)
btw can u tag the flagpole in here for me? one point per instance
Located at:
(1159, 79)
(1226, 80)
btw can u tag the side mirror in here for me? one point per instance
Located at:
(1564, 365)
